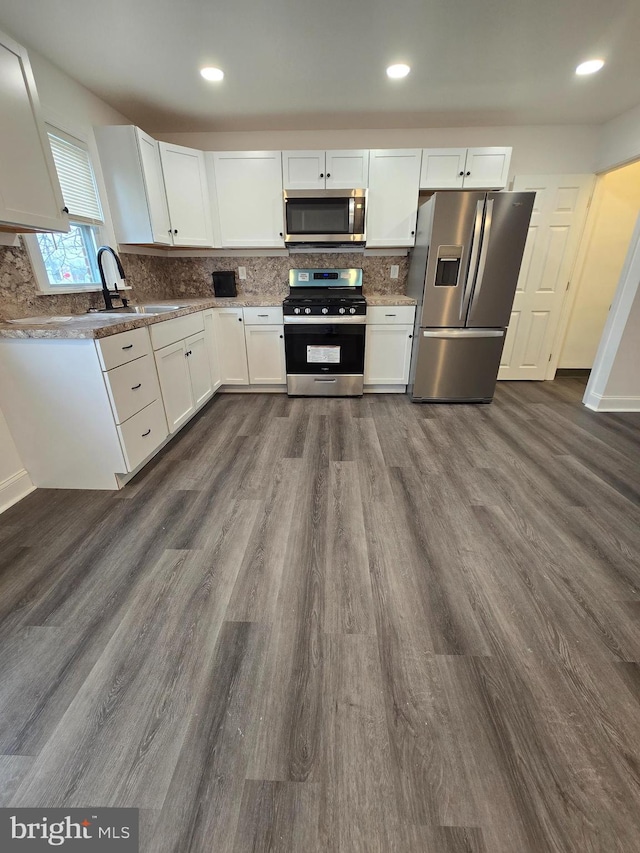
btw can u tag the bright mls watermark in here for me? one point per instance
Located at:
(74, 830)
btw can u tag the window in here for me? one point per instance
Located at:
(67, 262)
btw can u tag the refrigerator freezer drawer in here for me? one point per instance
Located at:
(457, 365)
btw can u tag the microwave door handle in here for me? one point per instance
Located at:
(352, 214)
(473, 260)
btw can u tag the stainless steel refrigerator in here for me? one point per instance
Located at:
(463, 273)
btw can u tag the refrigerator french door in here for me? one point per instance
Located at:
(463, 273)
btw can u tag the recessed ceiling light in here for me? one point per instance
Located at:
(396, 71)
(590, 67)
(212, 73)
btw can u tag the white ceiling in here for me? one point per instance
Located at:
(298, 64)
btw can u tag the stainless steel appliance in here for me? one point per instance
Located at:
(324, 333)
(325, 217)
(463, 273)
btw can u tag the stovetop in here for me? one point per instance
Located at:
(341, 294)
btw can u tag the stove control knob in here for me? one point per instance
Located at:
(296, 310)
(340, 310)
(352, 310)
(307, 310)
(325, 310)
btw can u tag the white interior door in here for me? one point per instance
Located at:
(559, 213)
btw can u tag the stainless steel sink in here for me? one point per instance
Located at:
(141, 309)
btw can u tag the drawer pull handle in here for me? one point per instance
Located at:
(128, 346)
(263, 315)
(135, 387)
(389, 315)
(144, 434)
(325, 380)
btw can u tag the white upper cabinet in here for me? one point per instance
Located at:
(318, 170)
(249, 198)
(443, 168)
(487, 168)
(158, 193)
(392, 205)
(187, 190)
(464, 168)
(303, 170)
(30, 195)
(133, 177)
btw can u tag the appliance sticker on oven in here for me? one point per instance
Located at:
(303, 276)
(323, 355)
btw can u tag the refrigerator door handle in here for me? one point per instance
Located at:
(473, 260)
(485, 249)
(463, 333)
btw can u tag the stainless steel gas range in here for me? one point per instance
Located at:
(324, 333)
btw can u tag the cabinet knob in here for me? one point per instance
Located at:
(65, 210)
(322, 174)
(461, 174)
(412, 233)
(281, 234)
(328, 174)
(282, 336)
(175, 230)
(410, 336)
(468, 173)
(239, 319)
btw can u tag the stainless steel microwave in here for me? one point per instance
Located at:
(325, 217)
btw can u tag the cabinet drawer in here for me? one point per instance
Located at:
(263, 316)
(142, 434)
(170, 331)
(119, 349)
(132, 386)
(379, 314)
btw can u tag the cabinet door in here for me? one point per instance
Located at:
(30, 194)
(212, 350)
(487, 168)
(392, 204)
(199, 370)
(175, 384)
(154, 186)
(229, 332)
(387, 354)
(303, 170)
(346, 170)
(185, 180)
(249, 193)
(265, 355)
(442, 168)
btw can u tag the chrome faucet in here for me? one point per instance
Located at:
(108, 294)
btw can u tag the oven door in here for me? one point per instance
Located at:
(324, 359)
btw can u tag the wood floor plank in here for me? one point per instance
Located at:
(13, 769)
(278, 817)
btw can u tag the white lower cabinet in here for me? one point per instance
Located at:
(212, 349)
(387, 354)
(142, 433)
(265, 354)
(175, 383)
(185, 378)
(232, 354)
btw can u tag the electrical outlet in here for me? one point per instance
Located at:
(242, 273)
(395, 270)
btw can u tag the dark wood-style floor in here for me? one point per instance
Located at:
(340, 625)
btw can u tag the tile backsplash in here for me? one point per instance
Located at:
(161, 277)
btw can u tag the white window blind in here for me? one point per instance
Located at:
(77, 182)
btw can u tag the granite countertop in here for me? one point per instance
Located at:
(96, 325)
(389, 299)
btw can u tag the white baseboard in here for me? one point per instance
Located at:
(14, 488)
(600, 403)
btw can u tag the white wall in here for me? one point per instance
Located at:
(619, 141)
(614, 383)
(614, 210)
(542, 150)
(69, 105)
